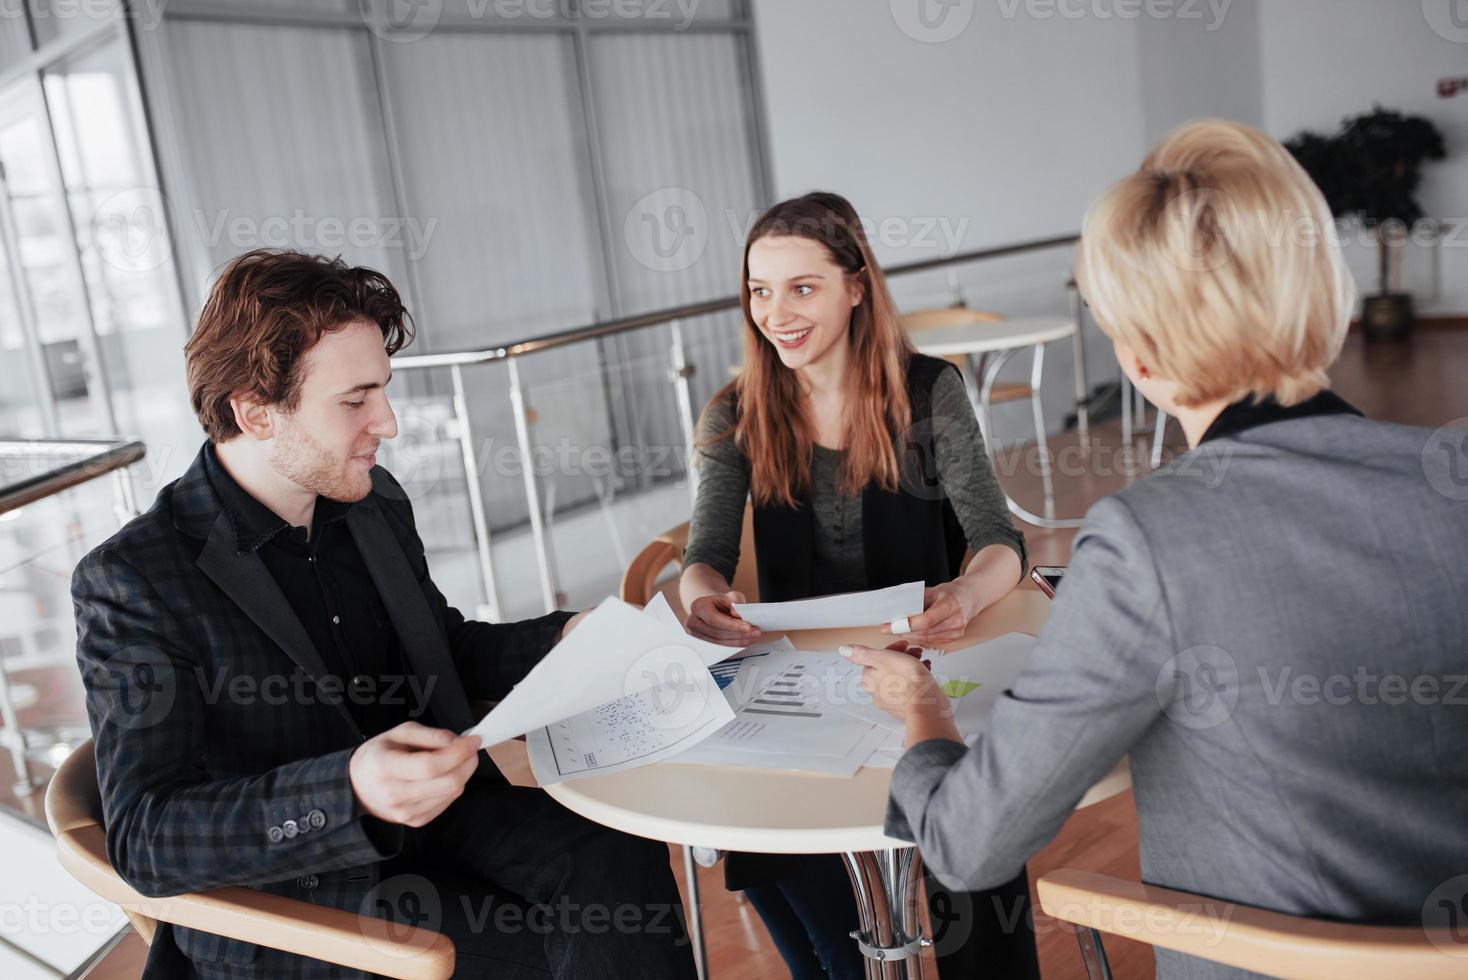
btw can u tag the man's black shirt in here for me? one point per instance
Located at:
(328, 586)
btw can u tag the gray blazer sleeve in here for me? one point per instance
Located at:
(1090, 691)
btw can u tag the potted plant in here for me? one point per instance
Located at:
(1370, 171)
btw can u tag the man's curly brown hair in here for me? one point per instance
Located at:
(265, 311)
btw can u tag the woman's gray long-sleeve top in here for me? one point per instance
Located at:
(963, 469)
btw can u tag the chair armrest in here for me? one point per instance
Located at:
(640, 578)
(676, 536)
(1245, 937)
(347, 939)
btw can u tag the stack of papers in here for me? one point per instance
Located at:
(623, 689)
(629, 688)
(782, 722)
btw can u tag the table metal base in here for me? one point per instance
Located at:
(1093, 954)
(889, 890)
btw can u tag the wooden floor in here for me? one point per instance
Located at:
(1420, 383)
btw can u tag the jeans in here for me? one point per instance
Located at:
(811, 912)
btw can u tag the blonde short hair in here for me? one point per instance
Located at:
(1216, 264)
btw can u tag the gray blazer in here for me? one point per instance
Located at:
(1275, 628)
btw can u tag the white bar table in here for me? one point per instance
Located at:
(1007, 338)
(772, 812)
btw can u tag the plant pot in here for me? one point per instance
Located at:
(1388, 318)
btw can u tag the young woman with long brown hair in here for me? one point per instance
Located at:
(865, 468)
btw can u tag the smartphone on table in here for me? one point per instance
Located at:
(1048, 577)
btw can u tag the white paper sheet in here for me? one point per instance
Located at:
(735, 675)
(636, 730)
(834, 611)
(738, 664)
(614, 652)
(975, 678)
(659, 609)
(779, 726)
(885, 756)
(743, 743)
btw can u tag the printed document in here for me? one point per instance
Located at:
(642, 728)
(615, 652)
(874, 608)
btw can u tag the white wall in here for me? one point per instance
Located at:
(1001, 133)
(1006, 130)
(1192, 68)
(1325, 59)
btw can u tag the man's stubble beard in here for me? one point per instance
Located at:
(304, 461)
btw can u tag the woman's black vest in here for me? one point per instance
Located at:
(908, 535)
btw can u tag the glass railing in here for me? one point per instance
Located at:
(58, 499)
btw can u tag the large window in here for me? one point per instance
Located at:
(49, 280)
(119, 225)
(91, 319)
(516, 169)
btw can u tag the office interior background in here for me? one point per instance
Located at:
(525, 168)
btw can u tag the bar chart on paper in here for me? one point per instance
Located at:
(784, 722)
(782, 695)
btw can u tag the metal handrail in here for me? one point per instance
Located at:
(611, 328)
(106, 456)
(679, 374)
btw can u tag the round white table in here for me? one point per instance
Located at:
(773, 812)
(1007, 338)
(1003, 335)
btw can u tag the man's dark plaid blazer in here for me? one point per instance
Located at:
(210, 775)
